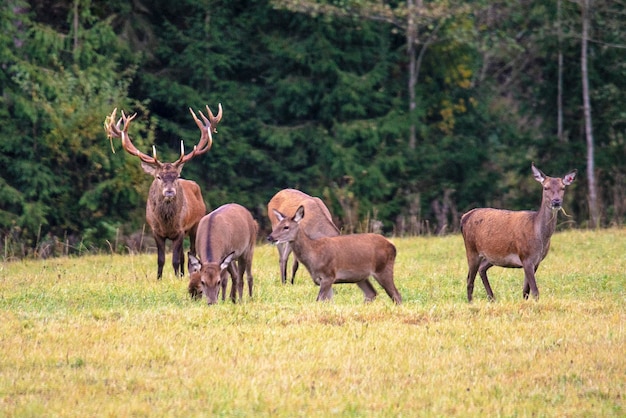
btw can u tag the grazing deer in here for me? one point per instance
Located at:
(174, 206)
(318, 222)
(513, 239)
(226, 235)
(341, 259)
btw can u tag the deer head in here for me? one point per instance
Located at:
(166, 174)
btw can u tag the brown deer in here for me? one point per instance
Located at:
(341, 259)
(318, 222)
(513, 239)
(225, 236)
(175, 205)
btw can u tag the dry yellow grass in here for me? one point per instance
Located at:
(99, 336)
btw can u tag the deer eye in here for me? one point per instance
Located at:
(158, 176)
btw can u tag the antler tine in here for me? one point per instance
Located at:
(120, 130)
(206, 138)
(214, 119)
(110, 127)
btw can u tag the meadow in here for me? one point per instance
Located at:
(99, 336)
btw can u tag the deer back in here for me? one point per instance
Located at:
(224, 235)
(318, 222)
(354, 254)
(229, 228)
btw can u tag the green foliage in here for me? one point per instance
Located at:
(314, 96)
(53, 124)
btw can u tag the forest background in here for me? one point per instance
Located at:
(400, 115)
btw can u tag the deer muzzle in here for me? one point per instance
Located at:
(169, 193)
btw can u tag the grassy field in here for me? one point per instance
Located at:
(99, 336)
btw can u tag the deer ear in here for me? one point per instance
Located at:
(569, 177)
(299, 214)
(193, 264)
(278, 215)
(538, 174)
(148, 168)
(226, 261)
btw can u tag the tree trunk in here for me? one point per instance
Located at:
(411, 40)
(593, 199)
(559, 99)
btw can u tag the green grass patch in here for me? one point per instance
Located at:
(100, 336)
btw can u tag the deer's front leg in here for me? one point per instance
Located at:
(529, 281)
(160, 243)
(178, 258)
(326, 288)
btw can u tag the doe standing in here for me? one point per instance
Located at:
(514, 239)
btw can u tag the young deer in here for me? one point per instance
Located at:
(341, 259)
(174, 206)
(514, 239)
(225, 236)
(318, 222)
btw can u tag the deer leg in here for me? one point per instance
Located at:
(283, 254)
(326, 289)
(192, 239)
(178, 258)
(385, 279)
(368, 290)
(529, 280)
(482, 270)
(160, 243)
(241, 268)
(473, 263)
(234, 274)
(294, 268)
(248, 269)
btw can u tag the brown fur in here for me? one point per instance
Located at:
(341, 259)
(174, 205)
(225, 236)
(175, 216)
(513, 239)
(318, 222)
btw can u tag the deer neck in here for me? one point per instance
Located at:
(304, 247)
(545, 221)
(169, 210)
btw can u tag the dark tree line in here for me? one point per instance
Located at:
(315, 97)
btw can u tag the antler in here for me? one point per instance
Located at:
(206, 137)
(114, 131)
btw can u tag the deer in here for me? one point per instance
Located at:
(340, 259)
(513, 239)
(174, 205)
(225, 236)
(317, 224)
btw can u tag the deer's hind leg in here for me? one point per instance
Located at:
(482, 270)
(473, 262)
(385, 279)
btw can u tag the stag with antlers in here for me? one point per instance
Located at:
(175, 205)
